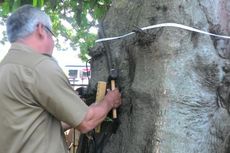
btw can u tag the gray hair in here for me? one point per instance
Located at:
(24, 21)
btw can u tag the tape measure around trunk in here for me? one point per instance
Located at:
(166, 25)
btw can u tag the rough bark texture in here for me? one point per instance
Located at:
(169, 77)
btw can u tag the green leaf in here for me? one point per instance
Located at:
(5, 9)
(35, 2)
(17, 3)
(41, 3)
(99, 11)
(23, 2)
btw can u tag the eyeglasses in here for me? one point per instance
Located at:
(48, 29)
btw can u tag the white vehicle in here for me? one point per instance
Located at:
(78, 75)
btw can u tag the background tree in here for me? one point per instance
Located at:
(81, 15)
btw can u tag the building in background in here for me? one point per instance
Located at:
(78, 75)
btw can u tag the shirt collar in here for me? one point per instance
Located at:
(25, 48)
(21, 47)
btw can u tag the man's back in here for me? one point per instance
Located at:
(25, 125)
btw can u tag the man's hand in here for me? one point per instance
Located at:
(113, 98)
(97, 112)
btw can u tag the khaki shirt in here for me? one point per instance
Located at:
(35, 96)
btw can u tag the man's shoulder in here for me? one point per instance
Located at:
(48, 66)
(28, 59)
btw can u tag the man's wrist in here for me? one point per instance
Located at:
(109, 104)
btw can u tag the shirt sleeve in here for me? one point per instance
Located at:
(54, 93)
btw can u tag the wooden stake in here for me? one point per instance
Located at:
(112, 88)
(101, 89)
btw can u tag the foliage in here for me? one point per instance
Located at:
(71, 19)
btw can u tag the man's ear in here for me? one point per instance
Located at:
(40, 31)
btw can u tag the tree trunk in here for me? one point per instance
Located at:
(168, 76)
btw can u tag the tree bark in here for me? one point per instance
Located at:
(168, 76)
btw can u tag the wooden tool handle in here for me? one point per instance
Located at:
(112, 88)
(101, 88)
(113, 84)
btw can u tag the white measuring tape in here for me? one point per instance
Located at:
(166, 25)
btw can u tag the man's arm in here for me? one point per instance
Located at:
(97, 112)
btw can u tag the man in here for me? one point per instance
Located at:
(35, 95)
